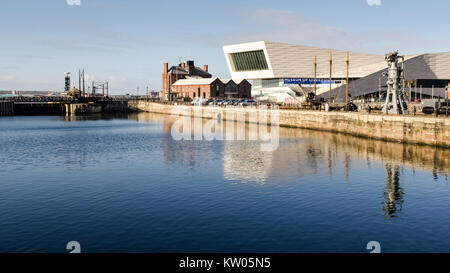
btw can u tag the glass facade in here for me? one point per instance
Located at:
(267, 83)
(249, 61)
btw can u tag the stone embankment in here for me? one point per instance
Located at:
(427, 130)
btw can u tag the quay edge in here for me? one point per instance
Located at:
(421, 130)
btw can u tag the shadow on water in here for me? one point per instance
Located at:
(99, 116)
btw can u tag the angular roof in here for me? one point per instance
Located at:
(195, 81)
(421, 67)
(197, 71)
(177, 70)
(297, 61)
(236, 81)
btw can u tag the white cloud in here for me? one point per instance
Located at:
(73, 2)
(374, 2)
(290, 27)
(8, 77)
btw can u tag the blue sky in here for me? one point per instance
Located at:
(126, 42)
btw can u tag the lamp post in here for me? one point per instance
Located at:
(346, 93)
(331, 71)
(315, 76)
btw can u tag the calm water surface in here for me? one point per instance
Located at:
(124, 185)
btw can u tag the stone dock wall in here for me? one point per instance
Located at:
(116, 106)
(6, 108)
(428, 130)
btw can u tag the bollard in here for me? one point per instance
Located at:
(438, 105)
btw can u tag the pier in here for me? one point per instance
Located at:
(54, 105)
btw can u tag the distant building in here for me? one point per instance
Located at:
(279, 69)
(426, 77)
(198, 88)
(186, 81)
(74, 92)
(180, 72)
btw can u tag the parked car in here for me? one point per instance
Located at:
(444, 108)
(429, 106)
(198, 101)
(247, 102)
(226, 102)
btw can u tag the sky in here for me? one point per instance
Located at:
(127, 42)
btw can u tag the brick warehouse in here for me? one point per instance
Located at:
(182, 71)
(203, 88)
(187, 82)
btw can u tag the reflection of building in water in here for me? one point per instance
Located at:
(347, 166)
(394, 193)
(184, 152)
(301, 153)
(244, 160)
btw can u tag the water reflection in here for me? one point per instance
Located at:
(301, 154)
(243, 161)
(305, 153)
(94, 170)
(394, 192)
(313, 151)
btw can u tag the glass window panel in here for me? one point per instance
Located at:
(249, 61)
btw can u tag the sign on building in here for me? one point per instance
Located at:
(306, 81)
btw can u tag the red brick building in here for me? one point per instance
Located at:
(196, 87)
(182, 71)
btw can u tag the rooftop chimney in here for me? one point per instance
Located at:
(183, 65)
(166, 68)
(191, 67)
(205, 67)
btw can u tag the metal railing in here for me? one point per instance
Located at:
(64, 99)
